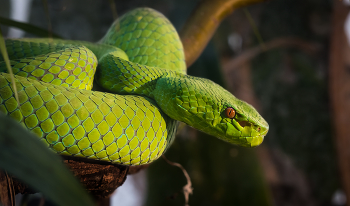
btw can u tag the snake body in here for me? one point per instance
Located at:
(140, 69)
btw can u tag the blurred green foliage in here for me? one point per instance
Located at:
(25, 157)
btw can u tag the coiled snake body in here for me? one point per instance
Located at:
(140, 68)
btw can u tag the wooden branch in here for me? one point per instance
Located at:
(7, 193)
(100, 180)
(203, 23)
(339, 91)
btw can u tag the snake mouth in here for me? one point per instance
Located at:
(259, 138)
(246, 133)
(255, 141)
(262, 128)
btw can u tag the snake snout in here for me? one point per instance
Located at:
(257, 135)
(263, 130)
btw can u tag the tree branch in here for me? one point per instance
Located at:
(203, 23)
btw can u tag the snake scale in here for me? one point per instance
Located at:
(140, 72)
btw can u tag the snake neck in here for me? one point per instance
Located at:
(125, 77)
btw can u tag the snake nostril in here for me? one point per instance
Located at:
(259, 129)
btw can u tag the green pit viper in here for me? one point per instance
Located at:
(140, 70)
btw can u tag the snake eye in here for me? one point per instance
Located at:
(230, 112)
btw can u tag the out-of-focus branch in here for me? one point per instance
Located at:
(305, 46)
(241, 63)
(339, 88)
(204, 21)
(7, 193)
(187, 189)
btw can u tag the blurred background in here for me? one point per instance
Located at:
(274, 55)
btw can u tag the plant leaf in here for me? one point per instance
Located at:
(24, 156)
(28, 28)
(8, 65)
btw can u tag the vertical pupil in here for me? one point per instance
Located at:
(230, 113)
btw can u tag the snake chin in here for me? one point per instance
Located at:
(245, 133)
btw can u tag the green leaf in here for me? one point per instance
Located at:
(8, 65)
(28, 28)
(24, 156)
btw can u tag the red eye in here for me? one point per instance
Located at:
(230, 112)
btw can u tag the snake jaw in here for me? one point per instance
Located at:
(245, 133)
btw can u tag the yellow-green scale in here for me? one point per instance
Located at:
(72, 66)
(128, 130)
(148, 38)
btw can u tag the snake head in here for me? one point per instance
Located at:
(210, 108)
(244, 125)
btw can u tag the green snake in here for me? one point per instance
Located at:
(140, 72)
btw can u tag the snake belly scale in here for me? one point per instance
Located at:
(139, 68)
